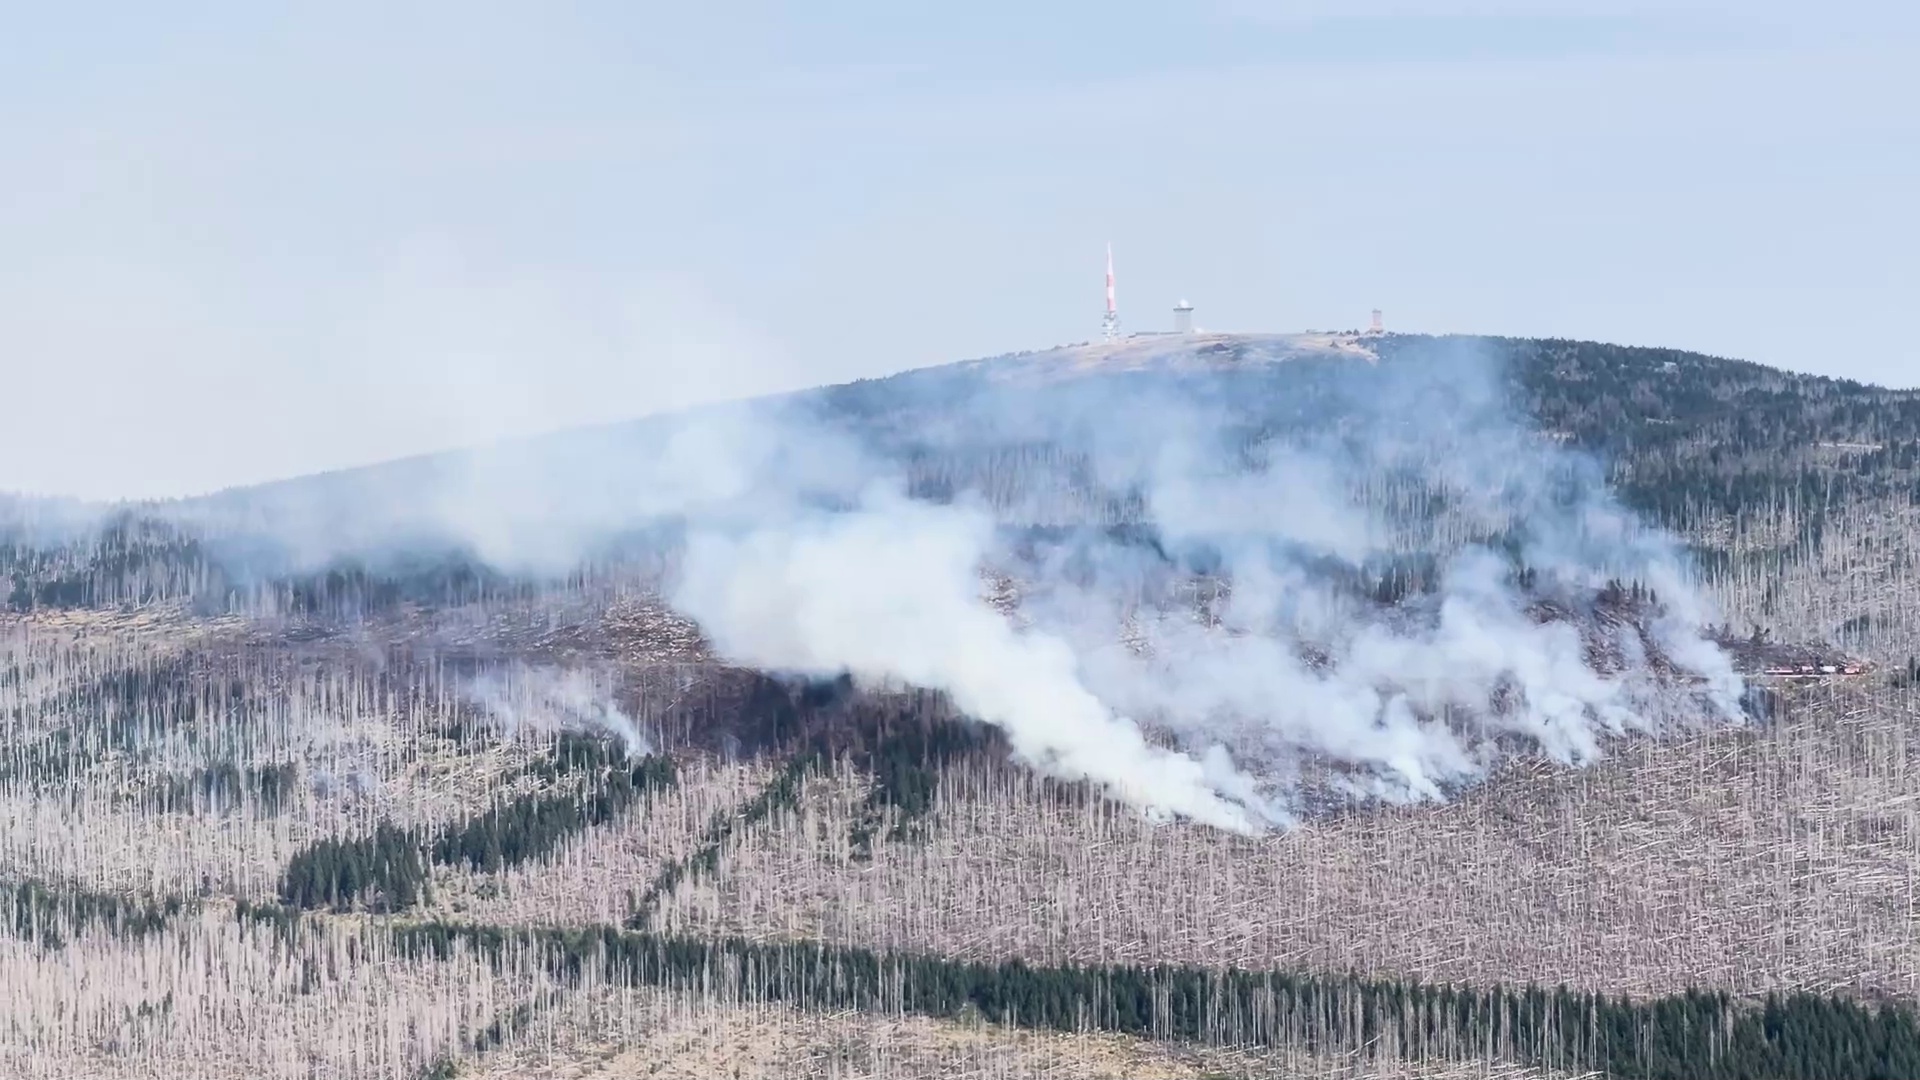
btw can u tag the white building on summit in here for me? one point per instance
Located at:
(1110, 322)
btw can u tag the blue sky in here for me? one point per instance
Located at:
(239, 243)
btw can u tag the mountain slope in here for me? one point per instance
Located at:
(443, 767)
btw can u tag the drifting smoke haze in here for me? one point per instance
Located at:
(527, 699)
(1406, 701)
(889, 591)
(1167, 580)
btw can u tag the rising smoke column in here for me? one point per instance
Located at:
(890, 592)
(1409, 702)
(548, 699)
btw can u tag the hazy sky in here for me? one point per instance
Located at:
(239, 243)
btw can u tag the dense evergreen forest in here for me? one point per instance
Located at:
(1687, 435)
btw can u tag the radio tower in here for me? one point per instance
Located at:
(1110, 326)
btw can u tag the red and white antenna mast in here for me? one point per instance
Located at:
(1110, 325)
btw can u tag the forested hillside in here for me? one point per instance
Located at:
(313, 780)
(1689, 437)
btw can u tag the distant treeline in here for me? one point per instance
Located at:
(1689, 1036)
(1706, 1035)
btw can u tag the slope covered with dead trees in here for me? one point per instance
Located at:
(432, 819)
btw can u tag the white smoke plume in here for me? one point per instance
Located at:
(1183, 544)
(890, 591)
(1400, 707)
(545, 700)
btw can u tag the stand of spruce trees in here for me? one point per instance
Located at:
(1691, 1036)
(388, 870)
